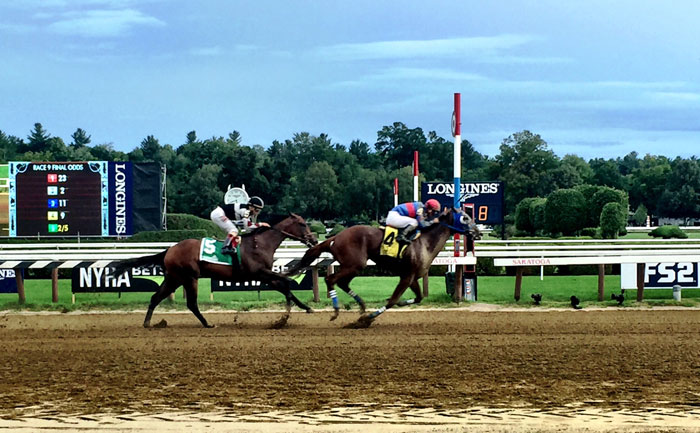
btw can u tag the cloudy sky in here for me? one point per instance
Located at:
(593, 78)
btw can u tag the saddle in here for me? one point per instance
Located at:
(210, 251)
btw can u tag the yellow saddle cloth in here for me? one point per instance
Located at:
(390, 246)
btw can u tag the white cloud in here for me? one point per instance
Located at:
(483, 46)
(206, 51)
(103, 23)
(16, 28)
(394, 75)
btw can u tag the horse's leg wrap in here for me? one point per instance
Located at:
(357, 299)
(336, 308)
(406, 302)
(374, 314)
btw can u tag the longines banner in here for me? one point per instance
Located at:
(487, 198)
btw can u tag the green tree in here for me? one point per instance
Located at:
(563, 211)
(647, 182)
(396, 144)
(538, 209)
(640, 215)
(612, 220)
(9, 147)
(316, 190)
(37, 141)
(523, 219)
(80, 139)
(606, 173)
(526, 165)
(606, 195)
(682, 190)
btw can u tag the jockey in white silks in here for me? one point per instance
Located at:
(408, 217)
(237, 218)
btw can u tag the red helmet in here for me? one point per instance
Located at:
(432, 204)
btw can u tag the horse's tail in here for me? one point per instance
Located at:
(123, 265)
(311, 254)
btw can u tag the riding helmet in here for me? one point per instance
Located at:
(432, 204)
(256, 202)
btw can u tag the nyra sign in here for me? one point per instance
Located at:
(86, 280)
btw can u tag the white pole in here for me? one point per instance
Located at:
(396, 191)
(415, 175)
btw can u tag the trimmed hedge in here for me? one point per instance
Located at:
(668, 232)
(179, 221)
(169, 235)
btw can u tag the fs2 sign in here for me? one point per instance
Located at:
(487, 198)
(661, 275)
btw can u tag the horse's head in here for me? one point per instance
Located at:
(458, 221)
(295, 227)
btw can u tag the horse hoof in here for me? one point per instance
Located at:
(309, 311)
(161, 324)
(146, 325)
(361, 323)
(209, 326)
(281, 323)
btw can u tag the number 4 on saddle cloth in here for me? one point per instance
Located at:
(390, 246)
(210, 251)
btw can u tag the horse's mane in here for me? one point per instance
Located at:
(256, 231)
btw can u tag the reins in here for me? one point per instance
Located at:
(289, 235)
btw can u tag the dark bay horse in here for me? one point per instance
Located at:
(352, 247)
(182, 266)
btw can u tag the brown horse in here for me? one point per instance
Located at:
(182, 266)
(353, 246)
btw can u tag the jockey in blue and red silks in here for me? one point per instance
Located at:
(407, 217)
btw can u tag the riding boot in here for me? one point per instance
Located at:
(406, 234)
(230, 245)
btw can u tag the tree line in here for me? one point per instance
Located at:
(312, 175)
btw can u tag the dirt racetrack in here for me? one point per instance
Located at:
(413, 370)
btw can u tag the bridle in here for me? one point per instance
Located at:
(295, 237)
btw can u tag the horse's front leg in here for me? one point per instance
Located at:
(282, 285)
(366, 320)
(416, 290)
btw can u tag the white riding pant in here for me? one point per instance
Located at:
(218, 216)
(395, 219)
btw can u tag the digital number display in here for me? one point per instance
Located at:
(58, 199)
(486, 198)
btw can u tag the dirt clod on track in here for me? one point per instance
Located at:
(407, 363)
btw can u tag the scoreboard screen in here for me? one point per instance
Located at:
(68, 198)
(486, 198)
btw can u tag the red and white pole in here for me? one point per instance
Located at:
(415, 175)
(457, 132)
(396, 191)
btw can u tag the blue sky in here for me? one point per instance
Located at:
(593, 78)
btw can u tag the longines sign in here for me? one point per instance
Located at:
(486, 198)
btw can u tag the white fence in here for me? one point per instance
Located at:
(505, 253)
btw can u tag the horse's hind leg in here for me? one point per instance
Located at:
(416, 290)
(342, 278)
(190, 286)
(168, 286)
